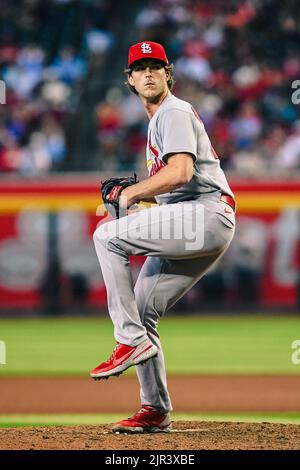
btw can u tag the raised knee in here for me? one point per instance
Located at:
(99, 234)
(104, 233)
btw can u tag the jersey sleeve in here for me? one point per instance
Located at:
(178, 133)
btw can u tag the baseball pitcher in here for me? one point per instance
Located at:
(183, 234)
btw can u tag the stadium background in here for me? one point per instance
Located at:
(69, 121)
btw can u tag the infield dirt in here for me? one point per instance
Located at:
(210, 393)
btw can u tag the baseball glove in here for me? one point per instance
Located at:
(111, 190)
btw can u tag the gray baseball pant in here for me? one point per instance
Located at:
(182, 241)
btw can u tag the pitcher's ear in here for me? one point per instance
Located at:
(130, 80)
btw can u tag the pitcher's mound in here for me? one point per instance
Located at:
(195, 435)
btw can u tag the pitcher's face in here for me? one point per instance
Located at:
(149, 78)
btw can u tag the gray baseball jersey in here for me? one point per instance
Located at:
(177, 128)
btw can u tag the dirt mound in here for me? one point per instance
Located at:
(185, 435)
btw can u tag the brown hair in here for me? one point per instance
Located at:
(170, 82)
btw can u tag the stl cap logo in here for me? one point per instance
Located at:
(146, 48)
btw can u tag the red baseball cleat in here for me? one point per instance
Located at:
(123, 357)
(147, 419)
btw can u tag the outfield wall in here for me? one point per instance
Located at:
(265, 252)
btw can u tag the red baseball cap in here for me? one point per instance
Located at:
(146, 50)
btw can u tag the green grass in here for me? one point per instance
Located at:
(12, 421)
(192, 345)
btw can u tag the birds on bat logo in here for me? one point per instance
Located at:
(154, 163)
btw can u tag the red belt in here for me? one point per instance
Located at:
(229, 200)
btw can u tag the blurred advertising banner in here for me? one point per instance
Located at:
(47, 227)
(267, 239)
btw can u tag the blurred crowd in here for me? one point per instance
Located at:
(45, 49)
(235, 61)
